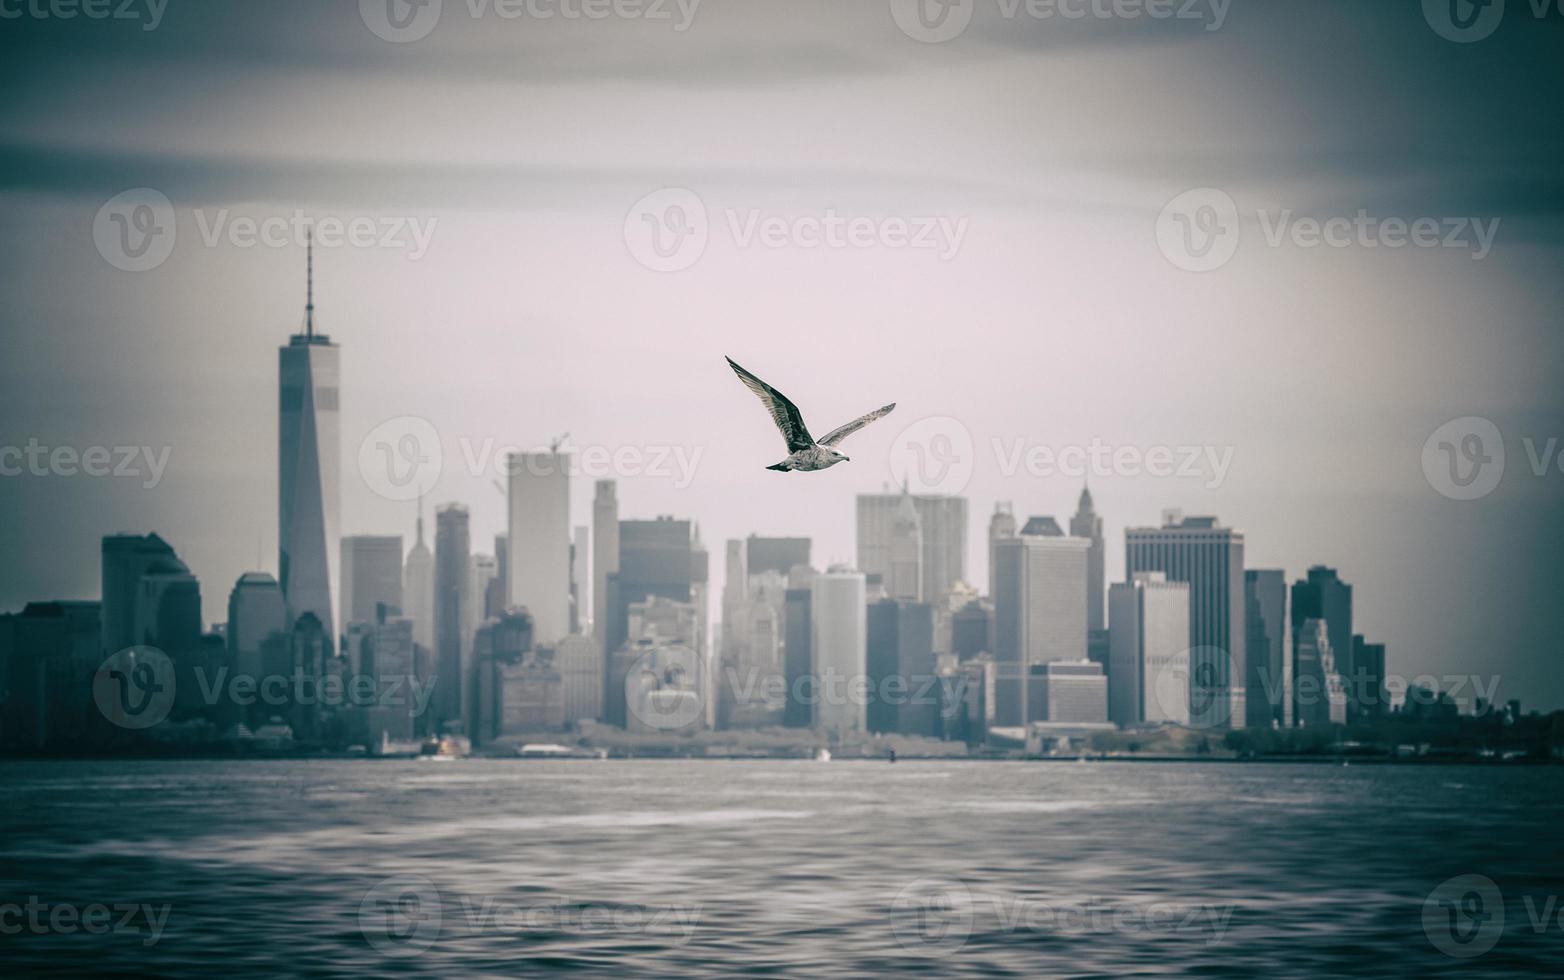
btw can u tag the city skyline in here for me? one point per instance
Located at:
(1058, 323)
(397, 579)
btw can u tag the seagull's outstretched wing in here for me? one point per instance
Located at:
(783, 412)
(839, 433)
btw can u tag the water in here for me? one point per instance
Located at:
(708, 868)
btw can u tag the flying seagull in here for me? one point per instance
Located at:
(804, 451)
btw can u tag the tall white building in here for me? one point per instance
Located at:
(539, 539)
(1210, 558)
(1148, 650)
(840, 650)
(309, 465)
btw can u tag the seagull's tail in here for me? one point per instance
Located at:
(783, 467)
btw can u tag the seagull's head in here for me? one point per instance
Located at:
(838, 457)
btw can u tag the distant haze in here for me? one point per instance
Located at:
(519, 147)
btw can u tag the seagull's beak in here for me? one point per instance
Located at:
(847, 459)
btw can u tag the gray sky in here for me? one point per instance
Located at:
(522, 145)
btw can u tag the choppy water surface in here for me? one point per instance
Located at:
(710, 868)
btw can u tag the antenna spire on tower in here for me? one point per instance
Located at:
(309, 284)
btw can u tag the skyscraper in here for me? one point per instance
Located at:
(1366, 685)
(904, 575)
(1067, 692)
(656, 558)
(775, 554)
(838, 644)
(1001, 525)
(126, 557)
(371, 574)
(580, 578)
(49, 653)
(1270, 670)
(942, 524)
(1148, 653)
(309, 470)
(1039, 610)
(1210, 558)
(605, 560)
(1086, 524)
(418, 587)
(797, 655)
(1319, 697)
(257, 624)
(1323, 595)
(903, 686)
(539, 540)
(483, 572)
(579, 660)
(452, 559)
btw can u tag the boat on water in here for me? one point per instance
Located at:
(549, 750)
(822, 755)
(444, 748)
